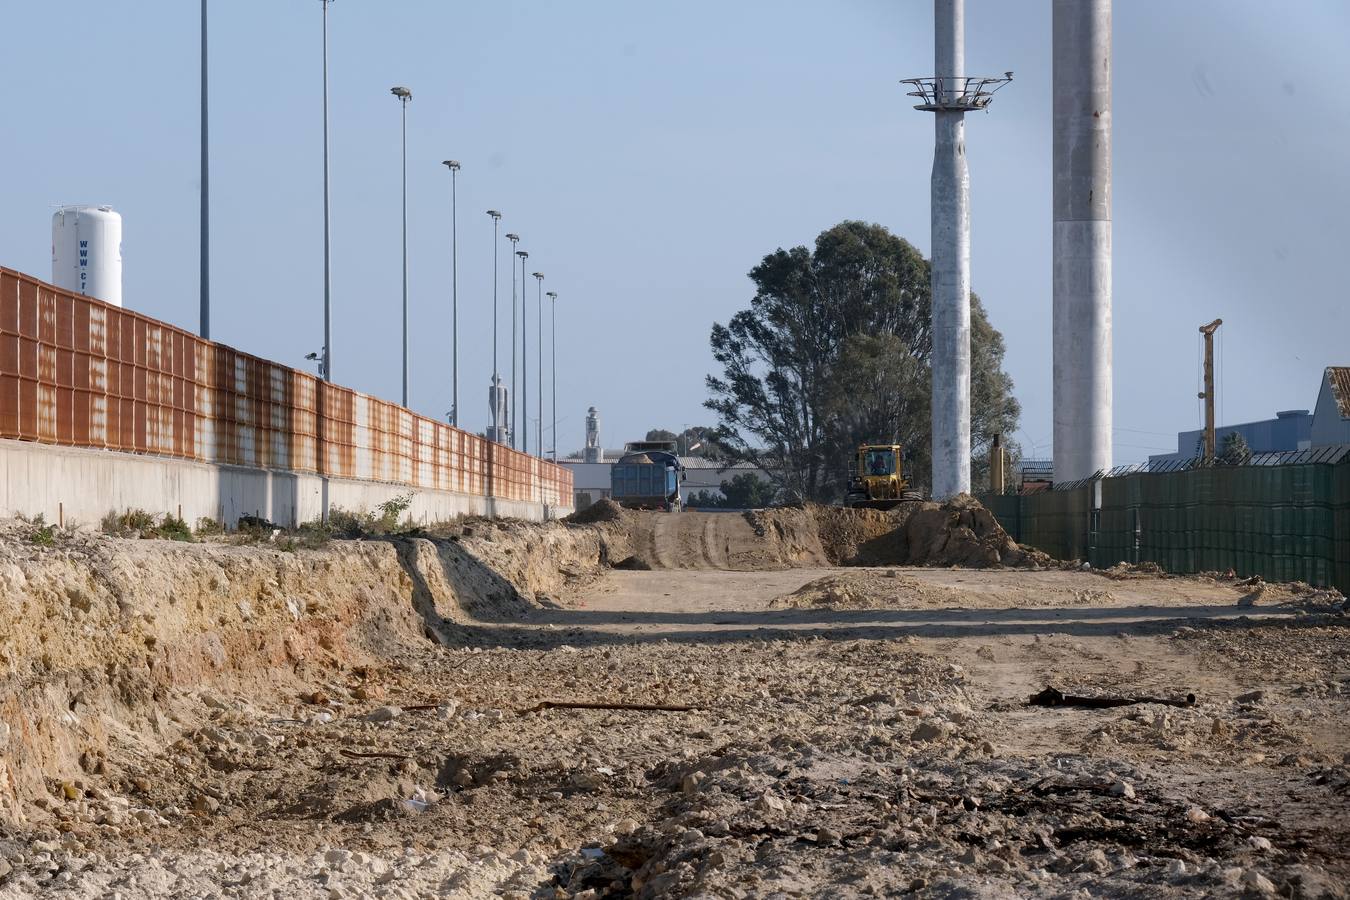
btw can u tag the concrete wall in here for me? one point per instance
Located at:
(81, 486)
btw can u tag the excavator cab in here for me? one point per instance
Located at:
(877, 478)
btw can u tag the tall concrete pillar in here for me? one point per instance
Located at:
(951, 258)
(1082, 237)
(949, 94)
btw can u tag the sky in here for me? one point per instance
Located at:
(650, 155)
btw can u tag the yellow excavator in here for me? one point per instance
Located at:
(877, 479)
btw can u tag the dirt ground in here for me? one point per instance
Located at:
(377, 722)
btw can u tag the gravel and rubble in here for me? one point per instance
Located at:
(410, 756)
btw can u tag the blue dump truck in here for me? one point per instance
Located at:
(647, 476)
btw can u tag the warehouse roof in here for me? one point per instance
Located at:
(702, 462)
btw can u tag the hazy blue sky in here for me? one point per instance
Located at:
(650, 154)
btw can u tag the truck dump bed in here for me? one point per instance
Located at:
(647, 480)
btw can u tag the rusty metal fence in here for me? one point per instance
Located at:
(78, 372)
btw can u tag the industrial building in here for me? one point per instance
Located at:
(1331, 415)
(1327, 425)
(1291, 429)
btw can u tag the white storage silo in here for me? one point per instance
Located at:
(87, 252)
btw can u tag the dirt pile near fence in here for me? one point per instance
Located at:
(960, 532)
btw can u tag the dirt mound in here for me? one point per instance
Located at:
(603, 510)
(1123, 571)
(960, 532)
(887, 589)
(793, 534)
(852, 537)
(752, 541)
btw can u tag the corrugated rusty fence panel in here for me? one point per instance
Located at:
(78, 372)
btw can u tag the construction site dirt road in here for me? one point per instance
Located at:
(647, 705)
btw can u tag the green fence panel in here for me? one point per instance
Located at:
(1280, 522)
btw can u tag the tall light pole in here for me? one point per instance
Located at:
(514, 239)
(327, 362)
(404, 95)
(453, 166)
(524, 398)
(554, 357)
(205, 257)
(552, 295)
(523, 256)
(494, 391)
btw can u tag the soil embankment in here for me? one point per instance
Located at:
(960, 532)
(106, 639)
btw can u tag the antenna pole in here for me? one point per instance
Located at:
(1208, 393)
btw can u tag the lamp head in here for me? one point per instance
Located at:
(539, 275)
(523, 255)
(451, 164)
(512, 237)
(401, 93)
(494, 214)
(551, 294)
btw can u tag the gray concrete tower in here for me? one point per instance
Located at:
(1082, 237)
(949, 94)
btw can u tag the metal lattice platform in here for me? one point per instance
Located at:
(965, 93)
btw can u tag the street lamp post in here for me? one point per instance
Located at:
(554, 358)
(327, 362)
(496, 381)
(511, 385)
(524, 411)
(404, 95)
(453, 166)
(204, 260)
(539, 284)
(553, 296)
(523, 257)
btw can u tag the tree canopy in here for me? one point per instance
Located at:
(744, 491)
(696, 440)
(835, 351)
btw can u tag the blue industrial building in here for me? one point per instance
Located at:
(1289, 430)
(1294, 429)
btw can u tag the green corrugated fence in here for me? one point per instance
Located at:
(1283, 523)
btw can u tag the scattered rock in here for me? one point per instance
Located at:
(928, 731)
(1257, 883)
